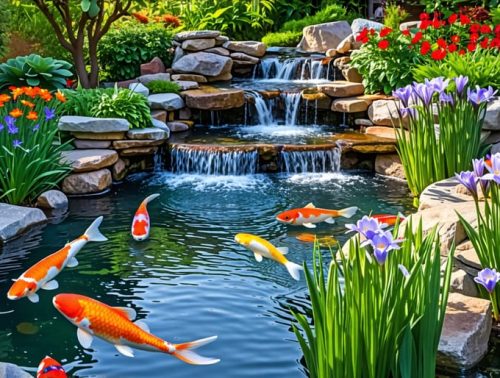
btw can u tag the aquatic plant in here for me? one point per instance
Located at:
(431, 153)
(371, 312)
(484, 235)
(163, 86)
(30, 158)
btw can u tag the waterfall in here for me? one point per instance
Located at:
(292, 69)
(316, 161)
(264, 108)
(213, 161)
(292, 106)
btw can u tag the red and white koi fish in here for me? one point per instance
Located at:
(262, 248)
(42, 274)
(50, 368)
(388, 219)
(310, 215)
(114, 325)
(141, 223)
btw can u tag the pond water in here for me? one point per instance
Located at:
(190, 279)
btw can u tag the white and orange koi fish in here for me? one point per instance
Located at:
(262, 248)
(42, 274)
(309, 215)
(141, 223)
(114, 325)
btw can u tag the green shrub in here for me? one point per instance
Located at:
(330, 13)
(481, 67)
(35, 71)
(30, 158)
(394, 15)
(286, 39)
(163, 86)
(129, 44)
(82, 101)
(4, 27)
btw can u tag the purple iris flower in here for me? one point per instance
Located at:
(49, 113)
(10, 121)
(366, 226)
(424, 92)
(469, 180)
(460, 83)
(439, 84)
(411, 112)
(382, 243)
(446, 98)
(16, 143)
(494, 169)
(1, 127)
(36, 127)
(478, 166)
(480, 95)
(12, 129)
(488, 278)
(404, 94)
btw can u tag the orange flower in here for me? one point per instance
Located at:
(32, 116)
(16, 92)
(141, 17)
(29, 104)
(45, 95)
(60, 96)
(31, 91)
(4, 98)
(16, 113)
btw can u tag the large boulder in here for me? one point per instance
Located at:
(198, 44)
(14, 220)
(89, 160)
(139, 88)
(203, 63)
(360, 23)
(87, 183)
(92, 124)
(253, 48)
(322, 37)
(53, 200)
(385, 113)
(166, 101)
(198, 34)
(153, 67)
(492, 119)
(211, 98)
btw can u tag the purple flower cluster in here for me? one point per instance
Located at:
(381, 241)
(469, 179)
(480, 95)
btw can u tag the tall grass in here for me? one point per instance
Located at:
(371, 320)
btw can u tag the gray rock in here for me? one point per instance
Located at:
(89, 160)
(119, 170)
(226, 76)
(461, 282)
(177, 127)
(14, 220)
(166, 101)
(135, 143)
(93, 125)
(220, 40)
(322, 37)
(53, 200)
(185, 85)
(384, 113)
(185, 113)
(161, 125)
(139, 88)
(144, 79)
(442, 193)
(204, 64)
(363, 122)
(153, 133)
(12, 371)
(360, 23)
(88, 182)
(198, 44)
(178, 54)
(189, 77)
(245, 57)
(466, 332)
(389, 165)
(219, 51)
(492, 119)
(346, 44)
(253, 48)
(198, 34)
(91, 144)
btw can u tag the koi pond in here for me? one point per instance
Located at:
(190, 279)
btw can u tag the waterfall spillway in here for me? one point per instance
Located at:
(265, 108)
(314, 161)
(213, 161)
(292, 69)
(292, 106)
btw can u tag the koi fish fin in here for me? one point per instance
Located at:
(93, 234)
(309, 225)
(142, 326)
(184, 352)
(257, 257)
(84, 338)
(72, 262)
(34, 298)
(128, 312)
(51, 285)
(348, 212)
(125, 350)
(283, 250)
(310, 205)
(330, 221)
(150, 198)
(294, 270)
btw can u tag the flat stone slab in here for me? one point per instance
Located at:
(190, 77)
(145, 79)
(467, 257)
(12, 371)
(123, 144)
(166, 101)
(99, 136)
(211, 98)
(341, 88)
(185, 84)
(442, 193)
(53, 200)
(91, 144)
(382, 132)
(88, 182)
(198, 44)
(14, 220)
(89, 160)
(219, 51)
(364, 143)
(466, 332)
(177, 127)
(139, 151)
(153, 133)
(198, 34)
(203, 63)
(253, 48)
(350, 104)
(245, 57)
(92, 124)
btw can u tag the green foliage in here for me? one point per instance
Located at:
(82, 101)
(495, 15)
(4, 27)
(370, 320)
(287, 39)
(163, 86)
(30, 157)
(481, 67)
(35, 71)
(394, 15)
(129, 44)
(330, 13)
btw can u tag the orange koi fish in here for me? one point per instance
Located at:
(50, 368)
(326, 241)
(388, 219)
(141, 223)
(114, 325)
(42, 274)
(309, 215)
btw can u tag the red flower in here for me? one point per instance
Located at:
(436, 23)
(69, 83)
(464, 20)
(385, 32)
(362, 35)
(442, 43)
(424, 16)
(438, 54)
(406, 32)
(452, 48)
(417, 37)
(461, 52)
(424, 24)
(474, 37)
(453, 18)
(425, 48)
(372, 31)
(471, 46)
(497, 29)
(383, 44)
(495, 42)
(475, 28)
(455, 38)
(485, 29)
(484, 43)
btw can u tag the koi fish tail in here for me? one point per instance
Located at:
(93, 234)
(294, 270)
(184, 352)
(148, 199)
(348, 212)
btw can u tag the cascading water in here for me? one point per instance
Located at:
(292, 106)
(315, 161)
(292, 69)
(213, 161)
(265, 108)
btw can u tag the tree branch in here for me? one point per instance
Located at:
(52, 20)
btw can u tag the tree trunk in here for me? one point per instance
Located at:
(80, 68)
